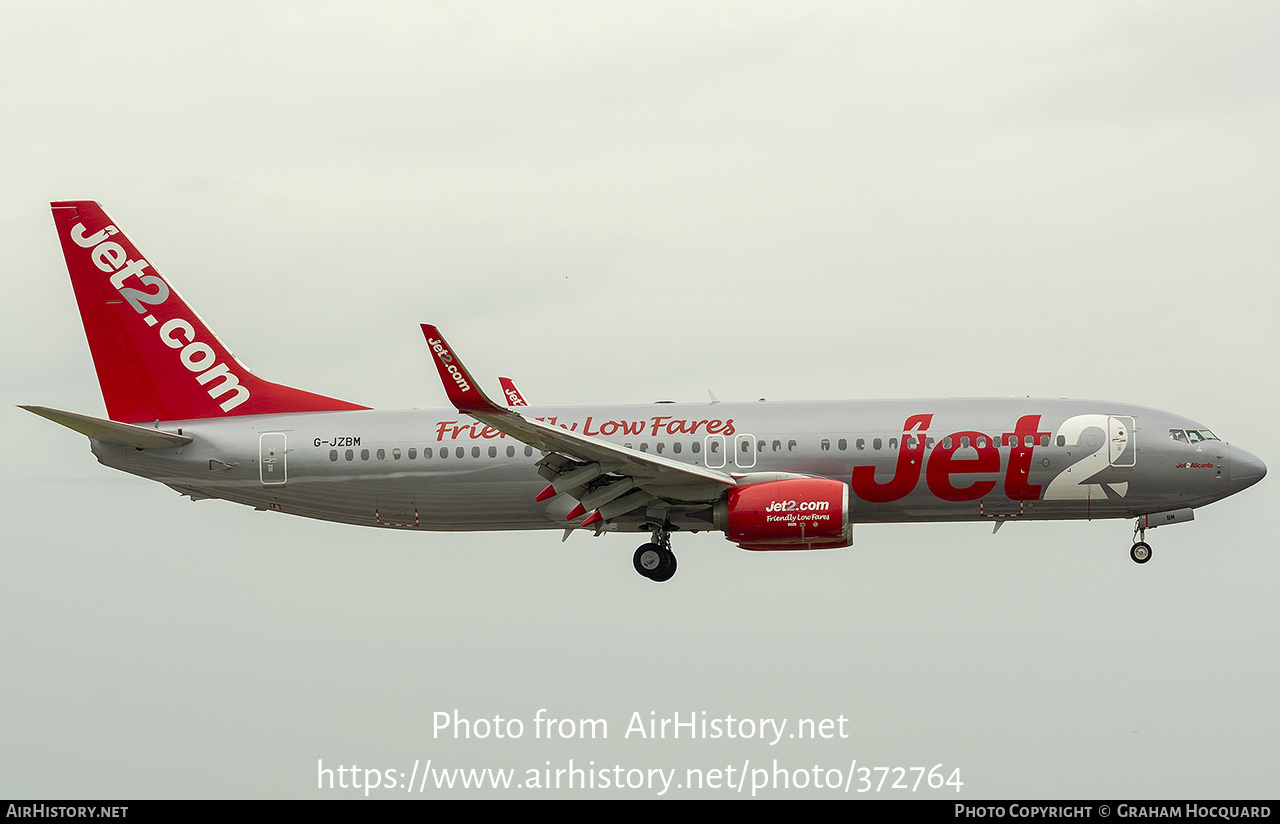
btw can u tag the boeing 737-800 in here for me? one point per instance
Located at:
(772, 476)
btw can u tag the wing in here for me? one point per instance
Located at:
(608, 480)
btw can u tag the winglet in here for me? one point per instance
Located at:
(464, 393)
(512, 394)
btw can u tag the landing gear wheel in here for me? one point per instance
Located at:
(655, 562)
(665, 572)
(648, 559)
(1140, 552)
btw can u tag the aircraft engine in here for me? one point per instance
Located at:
(794, 513)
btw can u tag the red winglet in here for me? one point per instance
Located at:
(512, 394)
(464, 393)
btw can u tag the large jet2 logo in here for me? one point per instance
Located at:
(942, 462)
(196, 356)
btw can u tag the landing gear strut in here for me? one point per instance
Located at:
(655, 560)
(1140, 552)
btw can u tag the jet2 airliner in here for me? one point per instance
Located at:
(772, 476)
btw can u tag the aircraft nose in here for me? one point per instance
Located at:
(1246, 469)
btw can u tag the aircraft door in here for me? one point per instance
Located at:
(272, 461)
(744, 451)
(1121, 449)
(715, 447)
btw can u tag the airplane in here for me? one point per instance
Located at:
(772, 476)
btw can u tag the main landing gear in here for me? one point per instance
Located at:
(655, 560)
(1140, 552)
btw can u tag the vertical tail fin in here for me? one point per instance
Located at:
(156, 360)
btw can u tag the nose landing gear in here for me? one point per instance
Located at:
(1140, 552)
(655, 560)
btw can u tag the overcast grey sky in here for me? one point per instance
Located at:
(620, 202)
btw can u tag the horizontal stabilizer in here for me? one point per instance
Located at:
(125, 434)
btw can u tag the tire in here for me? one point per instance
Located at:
(1140, 552)
(668, 569)
(649, 560)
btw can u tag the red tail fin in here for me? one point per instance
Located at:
(156, 359)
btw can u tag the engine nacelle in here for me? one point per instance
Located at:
(795, 513)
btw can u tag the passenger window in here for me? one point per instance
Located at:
(333, 454)
(791, 446)
(946, 443)
(760, 445)
(658, 447)
(675, 447)
(644, 447)
(982, 443)
(364, 454)
(875, 444)
(964, 442)
(528, 451)
(413, 453)
(842, 444)
(893, 443)
(861, 443)
(1044, 440)
(395, 453)
(695, 447)
(714, 446)
(493, 452)
(511, 451)
(1029, 440)
(350, 455)
(444, 452)
(475, 452)
(382, 454)
(777, 446)
(826, 444)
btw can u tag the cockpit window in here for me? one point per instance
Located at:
(1192, 435)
